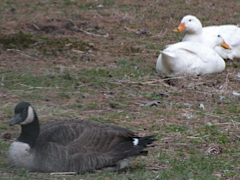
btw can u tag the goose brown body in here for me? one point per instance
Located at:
(83, 145)
(75, 146)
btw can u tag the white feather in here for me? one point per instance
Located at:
(19, 154)
(30, 116)
(190, 58)
(235, 93)
(135, 141)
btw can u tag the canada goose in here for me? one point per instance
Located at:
(197, 33)
(191, 58)
(72, 145)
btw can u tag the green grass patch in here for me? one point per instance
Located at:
(18, 40)
(116, 105)
(93, 105)
(60, 44)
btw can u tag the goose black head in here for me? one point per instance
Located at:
(24, 114)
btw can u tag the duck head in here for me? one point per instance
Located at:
(218, 41)
(191, 24)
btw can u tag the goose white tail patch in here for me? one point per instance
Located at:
(135, 141)
(30, 116)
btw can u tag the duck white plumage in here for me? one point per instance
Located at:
(197, 33)
(72, 145)
(191, 58)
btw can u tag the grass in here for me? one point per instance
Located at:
(66, 73)
(17, 41)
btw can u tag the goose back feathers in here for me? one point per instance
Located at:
(72, 145)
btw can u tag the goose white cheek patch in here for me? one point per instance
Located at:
(30, 116)
(135, 141)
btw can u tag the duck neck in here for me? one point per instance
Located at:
(194, 37)
(212, 44)
(198, 31)
(30, 132)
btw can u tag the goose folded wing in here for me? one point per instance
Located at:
(71, 133)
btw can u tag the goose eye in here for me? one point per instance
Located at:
(190, 20)
(219, 36)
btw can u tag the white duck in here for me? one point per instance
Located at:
(191, 58)
(197, 33)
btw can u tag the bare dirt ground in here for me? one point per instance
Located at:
(96, 59)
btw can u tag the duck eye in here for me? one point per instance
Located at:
(190, 20)
(219, 36)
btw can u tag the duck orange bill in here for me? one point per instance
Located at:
(180, 28)
(224, 45)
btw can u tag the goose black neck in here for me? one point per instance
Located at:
(30, 132)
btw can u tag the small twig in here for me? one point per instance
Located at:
(63, 173)
(227, 123)
(19, 52)
(92, 34)
(144, 83)
(34, 25)
(32, 87)
(96, 14)
(93, 111)
(88, 33)
(234, 123)
(128, 81)
(192, 137)
(215, 115)
(180, 77)
(160, 80)
(161, 34)
(131, 30)
(77, 51)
